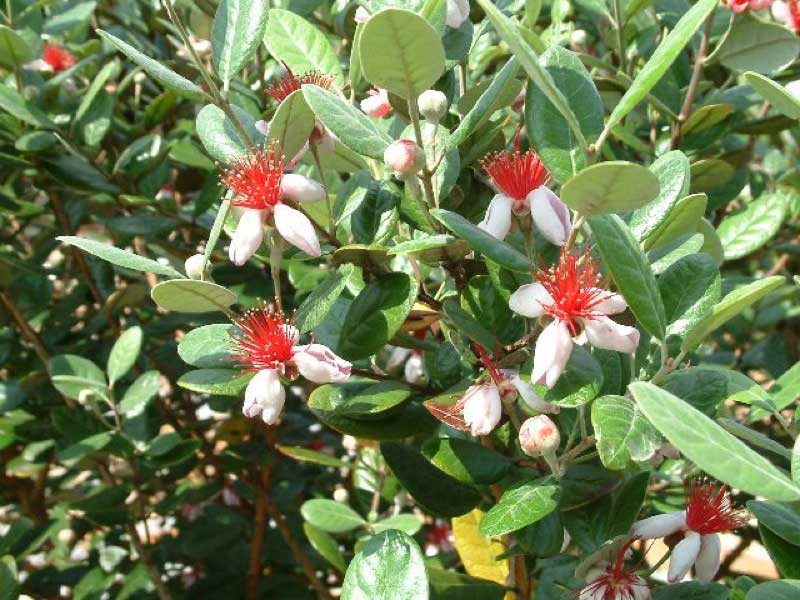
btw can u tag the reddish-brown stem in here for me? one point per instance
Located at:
(260, 520)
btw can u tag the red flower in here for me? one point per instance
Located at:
(255, 179)
(710, 510)
(264, 339)
(283, 87)
(515, 175)
(57, 57)
(615, 583)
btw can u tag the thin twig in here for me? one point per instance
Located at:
(27, 331)
(427, 178)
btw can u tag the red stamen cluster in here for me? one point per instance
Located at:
(57, 57)
(264, 339)
(515, 174)
(616, 582)
(575, 286)
(710, 510)
(794, 13)
(289, 83)
(255, 179)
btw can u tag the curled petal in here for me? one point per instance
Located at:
(551, 354)
(319, 364)
(264, 396)
(482, 408)
(497, 221)
(530, 397)
(248, 236)
(296, 229)
(550, 215)
(376, 104)
(301, 189)
(529, 300)
(684, 554)
(659, 526)
(604, 333)
(457, 13)
(611, 304)
(708, 558)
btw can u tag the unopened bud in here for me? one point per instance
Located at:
(539, 435)
(404, 157)
(84, 396)
(340, 494)
(432, 105)
(577, 39)
(140, 77)
(194, 266)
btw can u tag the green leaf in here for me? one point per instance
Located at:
(207, 347)
(580, 382)
(401, 52)
(377, 314)
(521, 505)
(754, 438)
(311, 456)
(325, 545)
(409, 524)
(749, 229)
(409, 420)
(360, 400)
(318, 304)
(684, 218)
(628, 266)
(467, 461)
(622, 432)
(353, 128)
(139, 395)
(705, 389)
(219, 135)
(510, 34)
(94, 443)
(9, 589)
(661, 60)
(374, 221)
(291, 125)
(777, 95)
(496, 250)
(692, 590)
(466, 324)
(218, 382)
(389, 566)
(706, 117)
(753, 45)
(731, 305)
(610, 187)
(192, 296)
(331, 516)
(672, 171)
(237, 33)
(550, 134)
(13, 103)
(119, 257)
(155, 69)
(783, 554)
(71, 374)
(431, 487)
(782, 520)
(796, 462)
(710, 447)
(124, 353)
(14, 52)
(300, 46)
(785, 589)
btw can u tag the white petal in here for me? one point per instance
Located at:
(529, 300)
(793, 87)
(551, 354)
(708, 558)
(362, 15)
(457, 13)
(611, 304)
(377, 105)
(296, 229)
(640, 589)
(604, 333)
(780, 10)
(497, 221)
(550, 215)
(301, 189)
(248, 236)
(414, 370)
(530, 397)
(264, 396)
(482, 408)
(319, 364)
(262, 127)
(38, 65)
(659, 526)
(683, 556)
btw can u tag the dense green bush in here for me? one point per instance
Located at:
(399, 299)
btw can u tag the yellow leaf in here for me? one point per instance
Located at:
(477, 552)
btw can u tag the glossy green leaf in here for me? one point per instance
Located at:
(409, 420)
(781, 519)
(628, 265)
(119, 257)
(521, 505)
(325, 545)
(407, 523)
(389, 566)
(754, 45)
(192, 296)
(705, 389)
(291, 125)
(713, 449)
(220, 137)
(622, 432)
(610, 187)
(13, 103)
(692, 590)
(401, 52)
(331, 516)
(14, 52)
(706, 117)
(672, 171)
(207, 346)
(124, 353)
(72, 374)
(467, 461)
(784, 589)
(302, 454)
(360, 400)
(316, 306)
(777, 95)
(684, 218)
(237, 33)
(783, 554)
(747, 230)
(218, 382)
(139, 394)
(467, 324)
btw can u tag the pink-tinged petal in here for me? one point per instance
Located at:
(604, 333)
(780, 12)
(640, 589)
(262, 127)
(296, 229)
(319, 364)
(659, 526)
(264, 396)
(529, 300)
(376, 104)
(38, 65)
(708, 558)
(247, 237)
(362, 15)
(497, 221)
(611, 304)
(684, 554)
(551, 354)
(301, 189)
(482, 408)
(457, 13)
(530, 397)
(550, 215)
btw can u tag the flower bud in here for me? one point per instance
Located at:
(539, 435)
(482, 408)
(404, 157)
(194, 266)
(432, 105)
(577, 39)
(340, 495)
